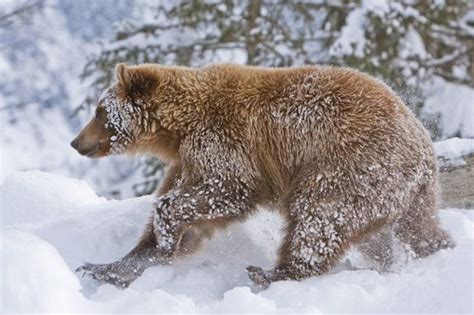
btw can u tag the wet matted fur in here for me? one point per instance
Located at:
(333, 149)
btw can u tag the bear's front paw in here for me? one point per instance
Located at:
(258, 276)
(109, 273)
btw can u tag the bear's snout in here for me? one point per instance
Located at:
(84, 149)
(75, 143)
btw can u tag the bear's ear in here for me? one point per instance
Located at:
(122, 73)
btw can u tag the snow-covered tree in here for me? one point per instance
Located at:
(407, 43)
(12, 13)
(421, 48)
(198, 32)
(41, 56)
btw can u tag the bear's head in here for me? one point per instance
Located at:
(127, 118)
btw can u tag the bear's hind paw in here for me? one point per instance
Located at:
(258, 276)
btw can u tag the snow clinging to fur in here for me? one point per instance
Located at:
(120, 119)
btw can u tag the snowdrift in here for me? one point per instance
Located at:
(51, 225)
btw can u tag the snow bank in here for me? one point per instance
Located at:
(35, 141)
(452, 151)
(35, 277)
(34, 196)
(38, 259)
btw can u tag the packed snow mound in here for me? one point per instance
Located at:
(35, 277)
(39, 259)
(34, 196)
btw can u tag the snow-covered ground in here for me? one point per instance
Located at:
(451, 152)
(52, 224)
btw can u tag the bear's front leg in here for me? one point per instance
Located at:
(124, 271)
(215, 201)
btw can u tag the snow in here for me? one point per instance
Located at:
(412, 45)
(61, 223)
(23, 190)
(50, 286)
(40, 89)
(28, 144)
(119, 118)
(455, 104)
(453, 151)
(352, 40)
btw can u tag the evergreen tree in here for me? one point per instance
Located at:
(404, 42)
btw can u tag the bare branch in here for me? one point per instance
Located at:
(20, 11)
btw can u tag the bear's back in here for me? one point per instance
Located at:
(319, 115)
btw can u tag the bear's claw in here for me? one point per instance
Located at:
(105, 273)
(258, 276)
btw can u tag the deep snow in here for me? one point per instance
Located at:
(51, 224)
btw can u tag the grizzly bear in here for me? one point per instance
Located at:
(334, 150)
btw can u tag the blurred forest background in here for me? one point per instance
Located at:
(57, 56)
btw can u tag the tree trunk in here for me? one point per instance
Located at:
(252, 40)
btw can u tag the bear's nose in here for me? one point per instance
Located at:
(75, 143)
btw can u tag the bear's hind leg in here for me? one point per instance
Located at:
(321, 226)
(419, 226)
(378, 248)
(316, 239)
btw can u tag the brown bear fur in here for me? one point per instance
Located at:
(333, 149)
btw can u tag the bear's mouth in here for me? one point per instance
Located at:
(90, 152)
(93, 151)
